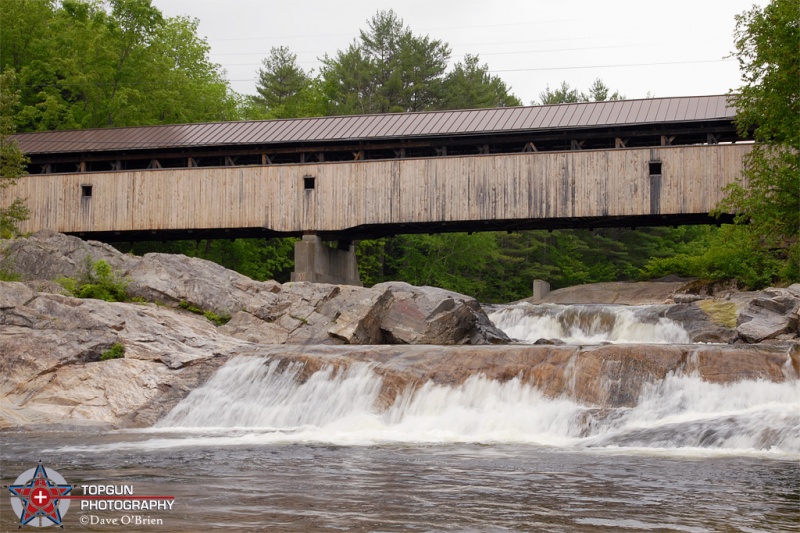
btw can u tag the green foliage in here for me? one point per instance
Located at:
(99, 281)
(281, 84)
(470, 86)
(85, 64)
(564, 94)
(211, 316)
(7, 270)
(388, 69)
(500, 267)
(371, 259)
(720, 255)
(117, 351)
(769, 103)
(12, 215)
(5, 275)
(13, 163)
(219, 320)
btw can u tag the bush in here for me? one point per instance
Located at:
(730, 253)
(99, 282)
(116, 351)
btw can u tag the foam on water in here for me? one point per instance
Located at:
(253, 400)
(588, 324)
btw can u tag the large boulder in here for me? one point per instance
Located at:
(173, 278)
(770, 314)
(313, 313)
(47, 255)
(429, 315)
(388, 313)
(267, 312)
(699, 325)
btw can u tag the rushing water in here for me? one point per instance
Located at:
(588, 324)
(260, 448)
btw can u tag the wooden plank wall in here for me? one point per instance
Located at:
(347, 194)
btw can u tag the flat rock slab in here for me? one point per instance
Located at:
(624, 293)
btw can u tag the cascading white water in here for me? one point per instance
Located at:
(588, 324)
(254, 400)
(255, 392)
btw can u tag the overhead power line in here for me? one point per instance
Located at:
(61, 83)
(616, 66)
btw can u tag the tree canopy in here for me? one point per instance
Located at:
(83, 64)
(387, 69)
(768, 103)
(564, 94)
(470, 86)
(13, 162)
(390, 69)
(282, 85)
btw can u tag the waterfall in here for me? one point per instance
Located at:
(588, 324)
(254, 400)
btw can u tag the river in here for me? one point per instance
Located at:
(257, 449)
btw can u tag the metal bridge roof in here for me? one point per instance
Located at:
(387, 126)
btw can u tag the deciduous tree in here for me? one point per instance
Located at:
(12, 161)
(122, 63)
(768, 103)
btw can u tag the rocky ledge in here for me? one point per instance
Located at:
(263, 312)
(52, 345)
(712, 316)
(54, 348)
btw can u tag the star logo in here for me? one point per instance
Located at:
(38, 494)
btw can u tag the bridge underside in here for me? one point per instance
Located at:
(377, 231)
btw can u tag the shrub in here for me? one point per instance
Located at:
(730, 253)
(99, 282)
(116, 351)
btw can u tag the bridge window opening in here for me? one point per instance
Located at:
(86, 191)
(308, 182)
(655, 168)
(137, 164)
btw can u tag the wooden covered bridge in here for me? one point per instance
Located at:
(661, 161)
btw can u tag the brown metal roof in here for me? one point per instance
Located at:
(384, 126)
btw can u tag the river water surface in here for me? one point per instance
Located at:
(425, 487)
(257, 449)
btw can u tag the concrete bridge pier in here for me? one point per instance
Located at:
(317, 262)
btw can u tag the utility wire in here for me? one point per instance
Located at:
(492, 71)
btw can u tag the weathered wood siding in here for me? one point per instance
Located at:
(489, 187)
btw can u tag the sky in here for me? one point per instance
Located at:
(639, 47)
